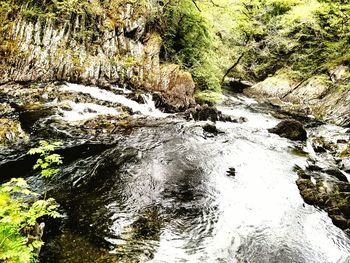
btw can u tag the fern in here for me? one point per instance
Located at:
(20, 210)
(47, 161)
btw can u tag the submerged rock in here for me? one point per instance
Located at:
(290, 129)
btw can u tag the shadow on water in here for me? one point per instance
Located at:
(20, 164)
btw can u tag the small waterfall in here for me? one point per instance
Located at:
(148, 100)
(85, 111)
(147, 109)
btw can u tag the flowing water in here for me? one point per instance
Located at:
(161, 193)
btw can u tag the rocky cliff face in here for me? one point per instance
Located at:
(96, 50)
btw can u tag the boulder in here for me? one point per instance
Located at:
(342, 141)
(335, 200)
(203, 113)
(320, 145)
(209, 128)
(308, 191)
(345, 153)
(290, 129)
(176, 87)
(209, 113)
(340, 221)
(237, 85)
(316, 96)
(277, 87)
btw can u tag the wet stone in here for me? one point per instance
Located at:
(342, 141)
(345, 165)
(231, 172)
(340, 221)
(210, 113)
(336, 173)
(209, 128)
(10, 132)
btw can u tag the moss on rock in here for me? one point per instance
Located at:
(10, 132)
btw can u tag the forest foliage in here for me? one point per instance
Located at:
(303, 38)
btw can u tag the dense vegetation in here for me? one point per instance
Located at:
(208, 37)
(305, 37)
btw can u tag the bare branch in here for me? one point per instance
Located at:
(231, 68)
(194, 2)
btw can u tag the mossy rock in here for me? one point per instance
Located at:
(10, 132)
(207, 97)
(320, 144)
(345, 153)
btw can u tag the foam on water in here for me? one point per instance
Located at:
(85, 111)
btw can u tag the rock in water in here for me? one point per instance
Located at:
(231, 172)
(206, 112)
(290, 129)
(209, 128)
(345, 165)
(336, 173)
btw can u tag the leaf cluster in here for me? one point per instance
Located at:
(19, 210)
(48, 161)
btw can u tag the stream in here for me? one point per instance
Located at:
(161, 193)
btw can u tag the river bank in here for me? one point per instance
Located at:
(321, 97)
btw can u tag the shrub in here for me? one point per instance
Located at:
(188, 41)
